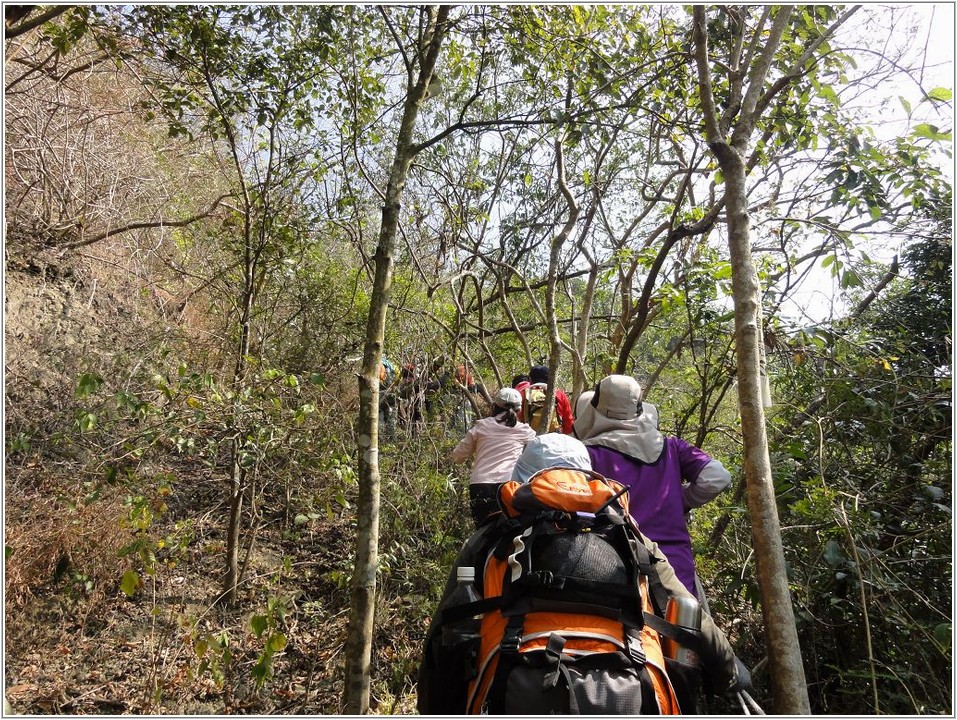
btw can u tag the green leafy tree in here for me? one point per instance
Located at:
(242, 76)
(747, 93)
(420, 59)
(865, 471)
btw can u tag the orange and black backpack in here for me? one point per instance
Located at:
(568, 609)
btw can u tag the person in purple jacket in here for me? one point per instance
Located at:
(666, 476)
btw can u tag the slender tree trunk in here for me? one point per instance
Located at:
(237, 477)
(237, 482)
(784, 650)
(581, 329)
(555, 344)
(361, 616)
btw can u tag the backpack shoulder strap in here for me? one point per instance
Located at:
(692, 639)
(645, 562)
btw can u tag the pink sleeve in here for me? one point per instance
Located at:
(463, 451)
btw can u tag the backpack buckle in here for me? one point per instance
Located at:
(512, 637)
(548, 579)
(511, 640)
(635, 651)
(553, 515)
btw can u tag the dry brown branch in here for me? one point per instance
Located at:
(13, 14)
(144, 225)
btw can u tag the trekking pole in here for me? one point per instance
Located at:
(699, 591)
(743, 696)
(744, 706)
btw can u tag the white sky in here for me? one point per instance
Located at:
(821, 296)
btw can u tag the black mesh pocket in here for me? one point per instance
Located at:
(535, 689)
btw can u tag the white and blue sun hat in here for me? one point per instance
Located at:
(552, 450)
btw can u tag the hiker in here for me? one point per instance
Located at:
(411, 391)
(572, 618)
(667, 477)
(533, 397)
(496, 442)
(464, 378)
(386, 398)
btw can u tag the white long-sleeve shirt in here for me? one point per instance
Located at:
(496, 447)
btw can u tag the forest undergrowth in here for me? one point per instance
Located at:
(83, 511)
(115, 528)
(76, 643)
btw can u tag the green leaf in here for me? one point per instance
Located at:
(850, 278)
(260, 671)
(827, 92)
(832, 553)
(88, 384)
(905, 104)
(722, 271)
(942, 634)
(942, 94)
(926, 130)
(86, 422)
(276, 643)
(796, 451)
(130, 583)
(259, 623)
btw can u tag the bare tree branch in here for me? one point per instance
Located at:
(892, 273)
(11, 30)
(142, 226)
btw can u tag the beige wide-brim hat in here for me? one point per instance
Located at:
(616, 418)
(618, 397)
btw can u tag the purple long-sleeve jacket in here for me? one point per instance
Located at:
(659, 501)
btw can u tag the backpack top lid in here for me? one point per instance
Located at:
(566, 489)
(551, 450)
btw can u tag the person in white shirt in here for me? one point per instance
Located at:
(496, 442)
